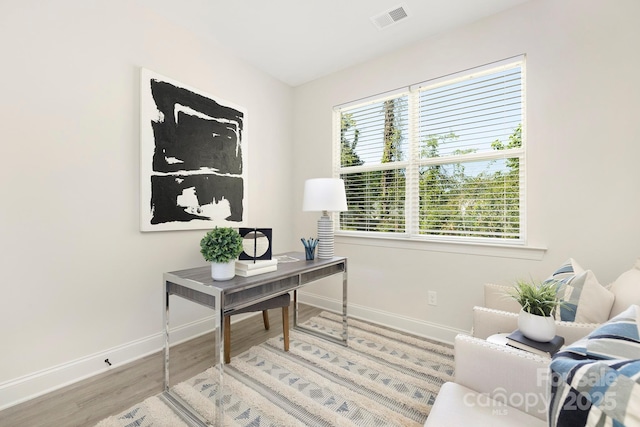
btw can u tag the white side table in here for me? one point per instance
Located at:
(500, 339)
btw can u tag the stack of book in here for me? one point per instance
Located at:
(548, 349)
(251, 268)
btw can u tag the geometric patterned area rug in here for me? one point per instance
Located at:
(383, 378)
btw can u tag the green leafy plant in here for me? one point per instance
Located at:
(222, 244)
(536, 298)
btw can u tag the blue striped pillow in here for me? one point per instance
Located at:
(596, 380)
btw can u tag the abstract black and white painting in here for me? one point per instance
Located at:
(193, 158)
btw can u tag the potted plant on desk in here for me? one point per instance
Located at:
(538, 302)
(221, 246)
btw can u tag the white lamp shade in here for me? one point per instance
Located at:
(324, 194)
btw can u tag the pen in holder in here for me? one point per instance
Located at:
(309, 247)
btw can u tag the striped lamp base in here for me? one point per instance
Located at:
(325, 237)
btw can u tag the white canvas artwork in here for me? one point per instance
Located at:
(193, 151)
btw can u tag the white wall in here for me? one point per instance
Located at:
(582, 109)
(80, 282)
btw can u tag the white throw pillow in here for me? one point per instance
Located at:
(593, 301)
(626, 289)
(584, 298)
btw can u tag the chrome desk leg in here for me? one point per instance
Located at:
(219, 364)
(345, 332)
(295, 308)
(166, 339)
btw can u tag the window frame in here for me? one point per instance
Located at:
(412, 163)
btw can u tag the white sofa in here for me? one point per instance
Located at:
(494, 386)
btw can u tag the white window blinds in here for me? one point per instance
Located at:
(443, 159)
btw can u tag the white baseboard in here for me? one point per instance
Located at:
(407, 324)
(38, 383)
(27, 387)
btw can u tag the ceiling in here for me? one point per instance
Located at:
(297, 41)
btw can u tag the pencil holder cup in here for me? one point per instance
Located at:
(309, 248)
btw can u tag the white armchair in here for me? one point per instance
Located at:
(499, 386)
(495, 386)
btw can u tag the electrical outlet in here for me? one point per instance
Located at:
(432, 298)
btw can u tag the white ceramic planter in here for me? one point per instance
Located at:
(537, 328)
(221, 271)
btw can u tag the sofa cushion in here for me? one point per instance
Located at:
(583, 298)
(626, 289)
(596, 380)
(458, 405)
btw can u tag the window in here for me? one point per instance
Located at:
(440, 160)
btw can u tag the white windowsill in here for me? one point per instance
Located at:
(483, 249)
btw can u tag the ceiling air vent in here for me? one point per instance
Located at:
(389, 17)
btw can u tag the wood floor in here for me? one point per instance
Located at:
(87, 402)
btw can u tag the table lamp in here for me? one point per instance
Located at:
(325, 195)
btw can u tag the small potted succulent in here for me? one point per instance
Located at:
(221, 246)
(539, 302)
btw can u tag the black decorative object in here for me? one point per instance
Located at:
(256, 243)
